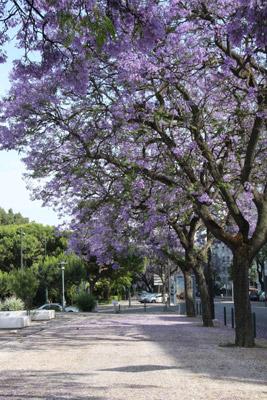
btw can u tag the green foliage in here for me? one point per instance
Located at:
(85, 301)
(100, 26)
(11, 218)
(72, 293)
(252, 273)
(24, 284)
(4, 284)
(35, 240)
(117, 282)
(49, 275)
(12, 304)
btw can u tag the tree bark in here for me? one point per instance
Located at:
(244, 336)
(204, 296)
(189, 295)
(210, 283)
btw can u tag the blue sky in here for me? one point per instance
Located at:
(13, 193)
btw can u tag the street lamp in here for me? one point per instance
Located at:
(62, 263)
(21, 248)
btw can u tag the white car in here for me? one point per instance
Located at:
(58, 307)
(159, 298)
(72, 309)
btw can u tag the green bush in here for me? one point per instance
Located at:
(24, 284)
(85, 301)
(12, 304)
(4, 284)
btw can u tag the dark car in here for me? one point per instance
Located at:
(253, 295)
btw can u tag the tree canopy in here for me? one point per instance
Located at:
(163, 96)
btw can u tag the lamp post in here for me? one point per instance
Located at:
(44, 257)
(62, 265)
(21, 248)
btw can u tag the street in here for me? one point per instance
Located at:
(132, 355)
(257, 307)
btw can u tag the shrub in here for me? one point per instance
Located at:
(85, 301)
(24, 284)
(4, 284)
(12, 304)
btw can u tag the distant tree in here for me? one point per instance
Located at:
(50, 281)
(34, 241)
(4, 284)
(24, 284)
(11, 218)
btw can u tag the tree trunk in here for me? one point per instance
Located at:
(244, 336)
(204, 296)
(189, 295)
(164, 296)
(210, 284)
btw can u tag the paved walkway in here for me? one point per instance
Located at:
(107, 356)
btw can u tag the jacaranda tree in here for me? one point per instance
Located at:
(170, 90)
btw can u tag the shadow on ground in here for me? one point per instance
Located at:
(190, 348)
(40, 384)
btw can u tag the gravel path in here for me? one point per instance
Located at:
(130, 356)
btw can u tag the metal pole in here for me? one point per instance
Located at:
(63, 286)
(254, 324)
(21, 250)
(224, 315)
(129, 296)
(46, 295)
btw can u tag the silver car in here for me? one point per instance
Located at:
(58, 307)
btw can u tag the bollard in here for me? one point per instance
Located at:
(200, 308)
(254, 324)
(224, 315)
(144, 305)
(232, 318)
(197, 307)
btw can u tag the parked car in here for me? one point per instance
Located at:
(159, 298)
(58, 307)
(51, 306)
(254, 295)
(149, 298)
(142, 295)
(71, 309)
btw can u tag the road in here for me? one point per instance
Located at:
(257, 307)
(132, 355)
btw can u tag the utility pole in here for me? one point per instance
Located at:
(44, 257)
(21, 249)
(62, 263)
